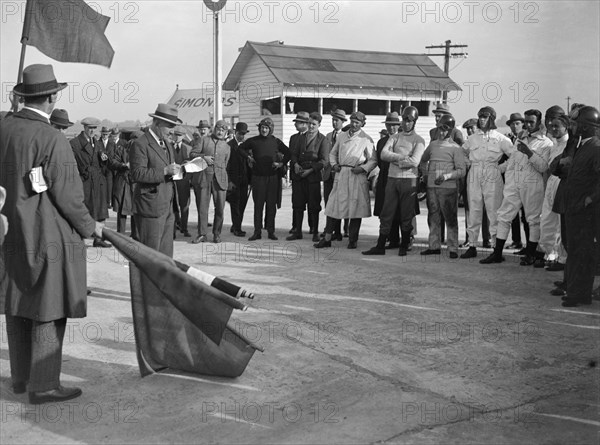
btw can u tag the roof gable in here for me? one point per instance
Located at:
(312, 66)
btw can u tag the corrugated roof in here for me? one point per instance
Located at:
(303, 65)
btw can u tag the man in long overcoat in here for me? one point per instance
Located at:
(44, 252)
(152, 167)
(92, 163)
(352, 158)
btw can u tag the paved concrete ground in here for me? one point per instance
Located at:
(357, 350)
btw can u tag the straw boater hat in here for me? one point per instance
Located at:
(38, 80)
(392, 118)
(166, 113)
(340, 114)
(60, 118)
(442, 109)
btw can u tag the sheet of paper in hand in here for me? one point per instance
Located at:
(195, 165)
(36, 177)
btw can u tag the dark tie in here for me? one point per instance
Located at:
(334, 137)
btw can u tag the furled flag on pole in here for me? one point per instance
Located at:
(68, 31)
(180, 322)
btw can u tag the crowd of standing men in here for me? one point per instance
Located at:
(554, 181)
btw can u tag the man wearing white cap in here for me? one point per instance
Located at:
(153, 166)
(92, 163)
(44, 207)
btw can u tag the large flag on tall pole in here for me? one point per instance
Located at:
(67, 31)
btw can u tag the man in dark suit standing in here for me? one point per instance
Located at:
(184, 187)
(92, 162)
(237, 170)
(44, 205)
(152, 169)
(309, 155)
(107, 146)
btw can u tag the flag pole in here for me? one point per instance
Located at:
(218, 104)
(24, 39)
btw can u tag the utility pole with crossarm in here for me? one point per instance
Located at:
(447, 56)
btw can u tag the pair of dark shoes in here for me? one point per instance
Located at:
(257, 235)
(431, 252)
(351, 244)
(60, 394)
(294, 236)
(239, 233)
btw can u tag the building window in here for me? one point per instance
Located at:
(270, 106)
(295, 104)
(422, 106)
(399, 105)
(331, 104)
(372, 106)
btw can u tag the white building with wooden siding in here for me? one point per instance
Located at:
(278, 81)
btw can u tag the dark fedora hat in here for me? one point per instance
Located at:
(302, 116)
(60, 118)
(38, 80)
(340, 114)
(105, 130)
(442, 109)
(515, 117)
(392, 118)
(203, 124)
(167, 113)
(242, 127)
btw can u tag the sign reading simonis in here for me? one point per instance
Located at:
(197, 104)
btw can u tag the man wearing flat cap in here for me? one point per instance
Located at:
(352, 159)
(392, 125)
(238, 173)
(153, 166)
(309, 154)
(213, 181)
(92, 163)
(44, 205)
(515, 122)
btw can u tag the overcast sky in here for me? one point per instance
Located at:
(521, 54)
